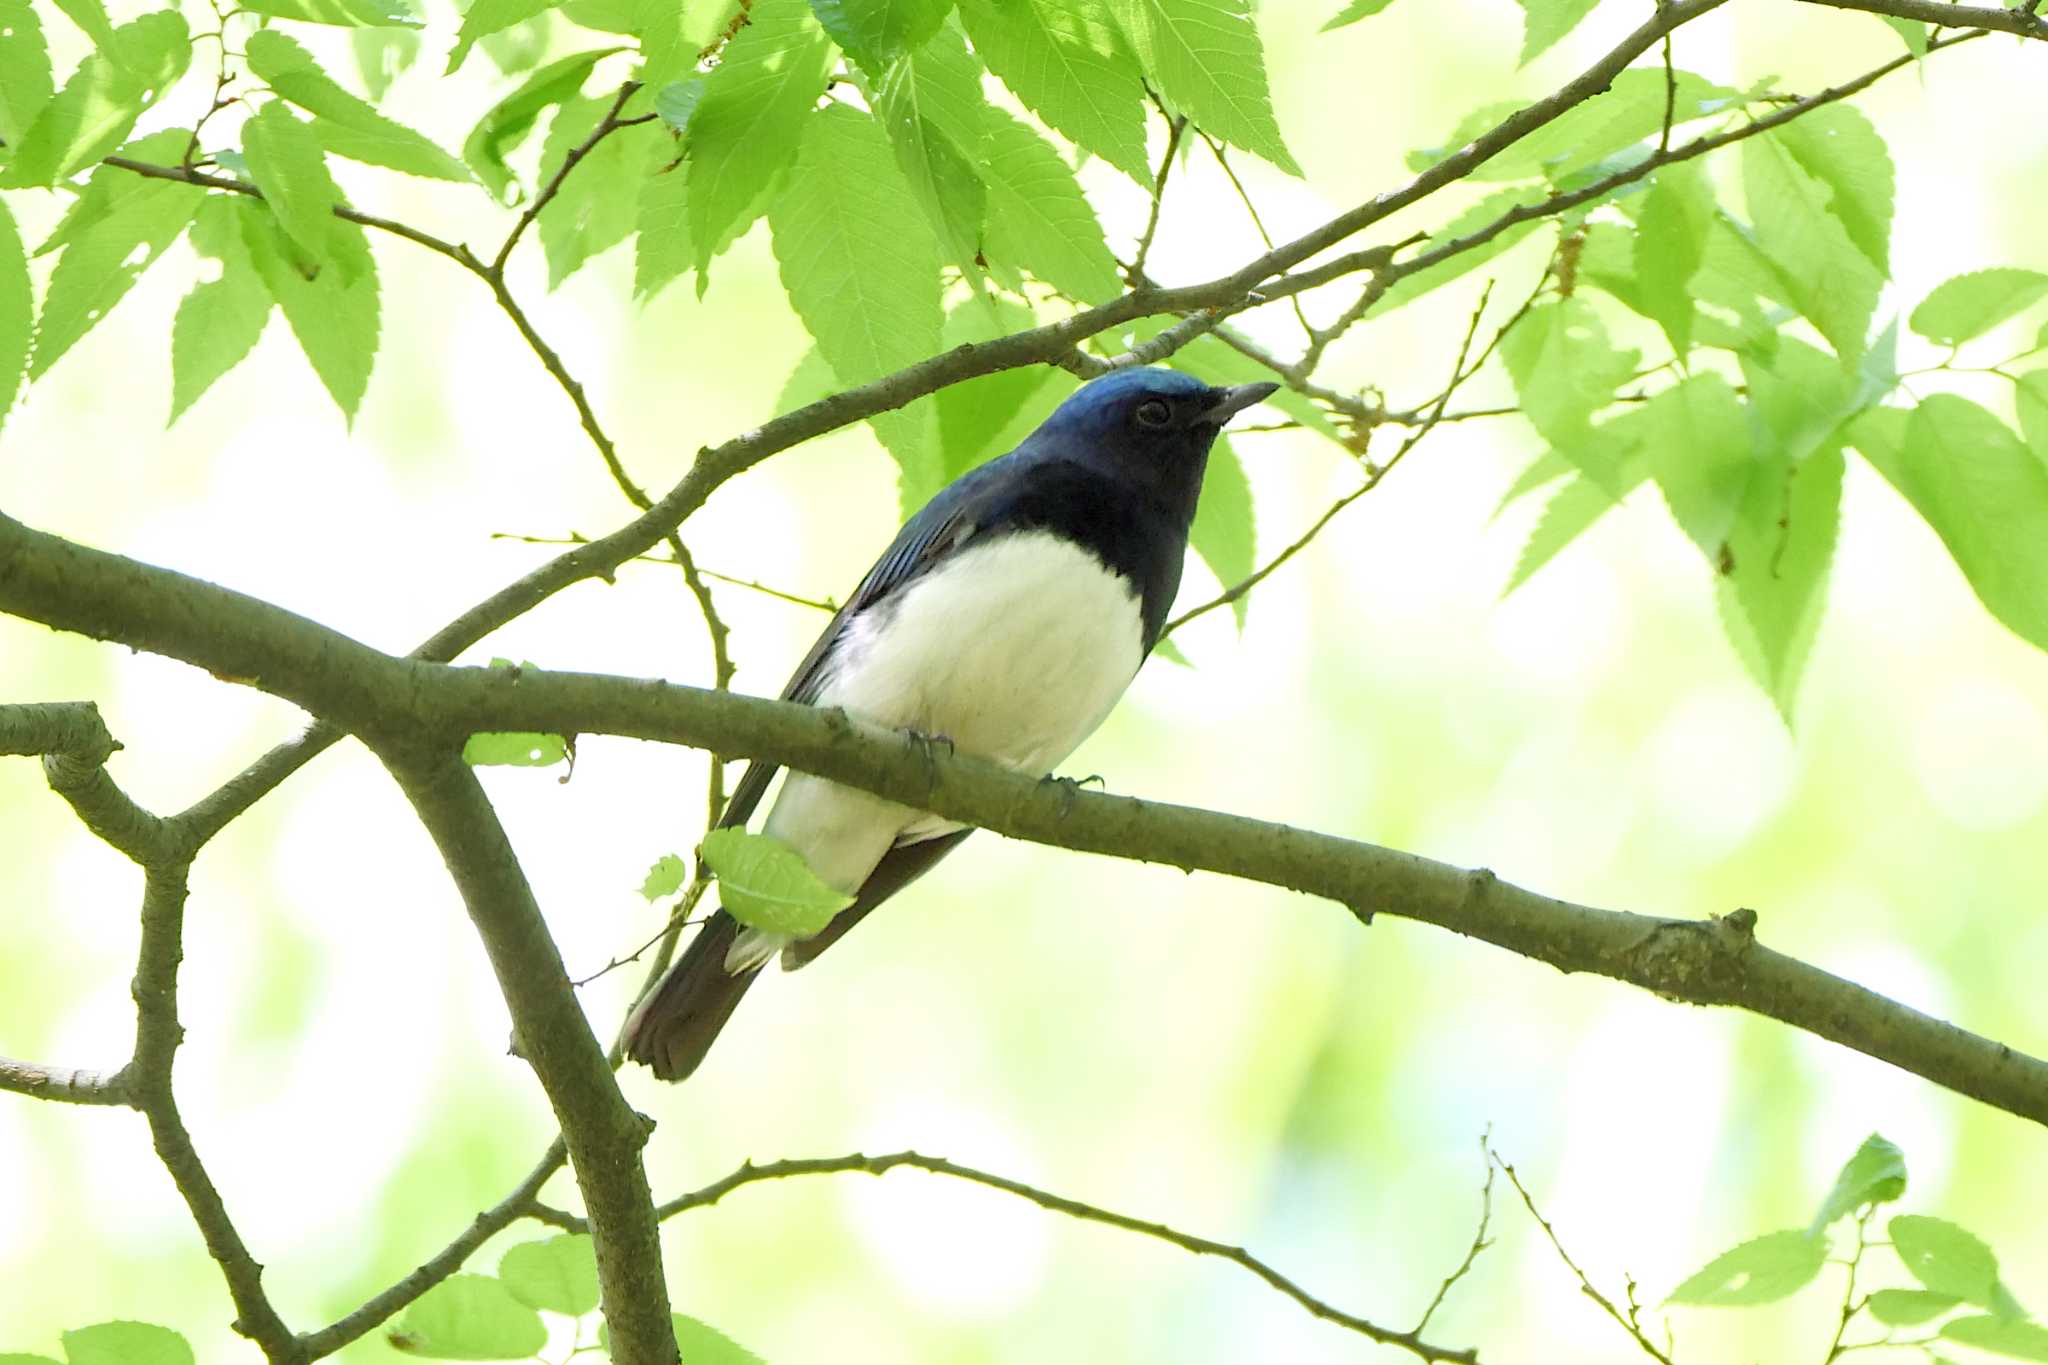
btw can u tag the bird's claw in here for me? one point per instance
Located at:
(1070, 787)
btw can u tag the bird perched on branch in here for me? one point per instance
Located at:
(1006, 618)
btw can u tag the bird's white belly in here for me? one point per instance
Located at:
(1014, 649)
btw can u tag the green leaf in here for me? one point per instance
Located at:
(663, 249)
(1206, 59)
(765, 884)
(1038, 219)
(126, 1343)
(26, 82)
(141, 218)
(382, 56)
(1821, 269)
(1876, 1174)
(17, 310)
(697, 1343)
(1224, 531)
(2031, 401)
(513, 117)
(2006, 1336)
(1970, 305)
(1913, 32)
(1697, 436)
(930, 102)
(861, 269)
(342, 123)
(91, 17)
(1904, 1307)
(1760, 1271)
(1773, 583)
(345, 13)
(219, 322)
(1564, 368)
(1068, 63)
(1670, 246)
(1629, 111)
(514, 749)
(486, 17)
(336, 320)
(99, 104)
(877, 32)
(288, 164)
(1540, 472)
(1569, 514)
(748, 126)
(469, 1317)
(974, 413)
(1166, 649)
(518, 49)
(1839, 147)
(1413, 286)
(677, 103)
(1945, 1258)
(665, 878)
(558, 1274)
(1546, 21)
(594, 210)
(1353, 12)
(666, 52)
(20, 1358)
(1984, 493)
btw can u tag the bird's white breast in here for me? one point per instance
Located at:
(1014, 649)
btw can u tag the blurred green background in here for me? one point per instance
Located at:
(1239, 1062)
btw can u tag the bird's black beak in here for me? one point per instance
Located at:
(1232, 401)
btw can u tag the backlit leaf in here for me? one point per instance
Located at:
(665, 878)
(1760, 1271)
(469, 1317)
(1039, 219)
(1068, 63)
(126, 1343)
(1697, 438)
(26, 82)
(765, 884)
(1945, 1258)
(1482, 214)
(512, 118)
(877, 32)
(1827, 277)
(486, 17)
(344, 124)
(1876, 1174)
(662, 251)
(219, 322)
(1837, 145)
(101, 101)
(17, 310)
(1224, 532)
(1353, 12)
(1546, 21)
(288, 164)
(930, 103)
(2006, 1336)
(558, 1274)
(1970, 305)
(1773, 573)
(335, 320)
(1670, 246)
(1206, 59)
(1564, 368)
(346, 13)
(1904, 1307)
(514, 749)
(595, 208)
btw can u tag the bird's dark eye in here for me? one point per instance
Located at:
(1154, 412)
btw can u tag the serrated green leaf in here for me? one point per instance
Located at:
(219, 322)
(558, 1274)
(1628, 112)
(26, 81)
(91, 18)
(1205, 58)
(861, 269)
(335, 320)
(1773, 575)
(594, 209)
(1353, 12)
(930, 102)
(1670, 245)
(512, 118)
(101, 101)
(17, 310)
(662, 250)
(1761, 1271)
(1569, 514)
(1413, 286)
(2031, 401)
(1876, 1174)
(666, 53)
(1913, 32)
(126, 1343)
(102, 260)
(514, 749)
(1546, 21)
(665, 878)
(1697, 436)
(877, 32)
(1905, 1307)
(1039, 220)
(1839, 147)
(765, 884)
(1944, 1257)
(289, 165)
(486, 17)
(1831, 282)
(748, 126)
(698, 1343)
(1969, 305)
(972, 414)
(1166, 649)
(518, 49)
(342, 123)
(382, 56)
(469, 1317)
(344, 13)
(1224, 532)
(1540, 472)
(1564, 368)
(2006, 1336)
(1984, 493)
(1068, 63)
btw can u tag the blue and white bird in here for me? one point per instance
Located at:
(1007, 617)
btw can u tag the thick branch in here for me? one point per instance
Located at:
(602, 1133)
(2021, 20)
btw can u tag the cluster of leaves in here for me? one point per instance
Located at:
(499, 1317)
(1959, 1297)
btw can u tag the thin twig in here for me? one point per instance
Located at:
(1174, 128)
(1480, 1241)
(606, 126)
(1623, 1320)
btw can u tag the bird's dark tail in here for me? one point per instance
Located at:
(675, 1025)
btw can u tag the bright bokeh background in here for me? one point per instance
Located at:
(1237, 1061)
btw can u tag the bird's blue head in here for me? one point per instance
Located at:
(1148, 426)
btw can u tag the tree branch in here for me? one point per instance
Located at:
(2021, 20)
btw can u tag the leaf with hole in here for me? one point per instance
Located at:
(1764, 1270)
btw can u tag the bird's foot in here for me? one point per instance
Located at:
(929, 743)
(1071, 787)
